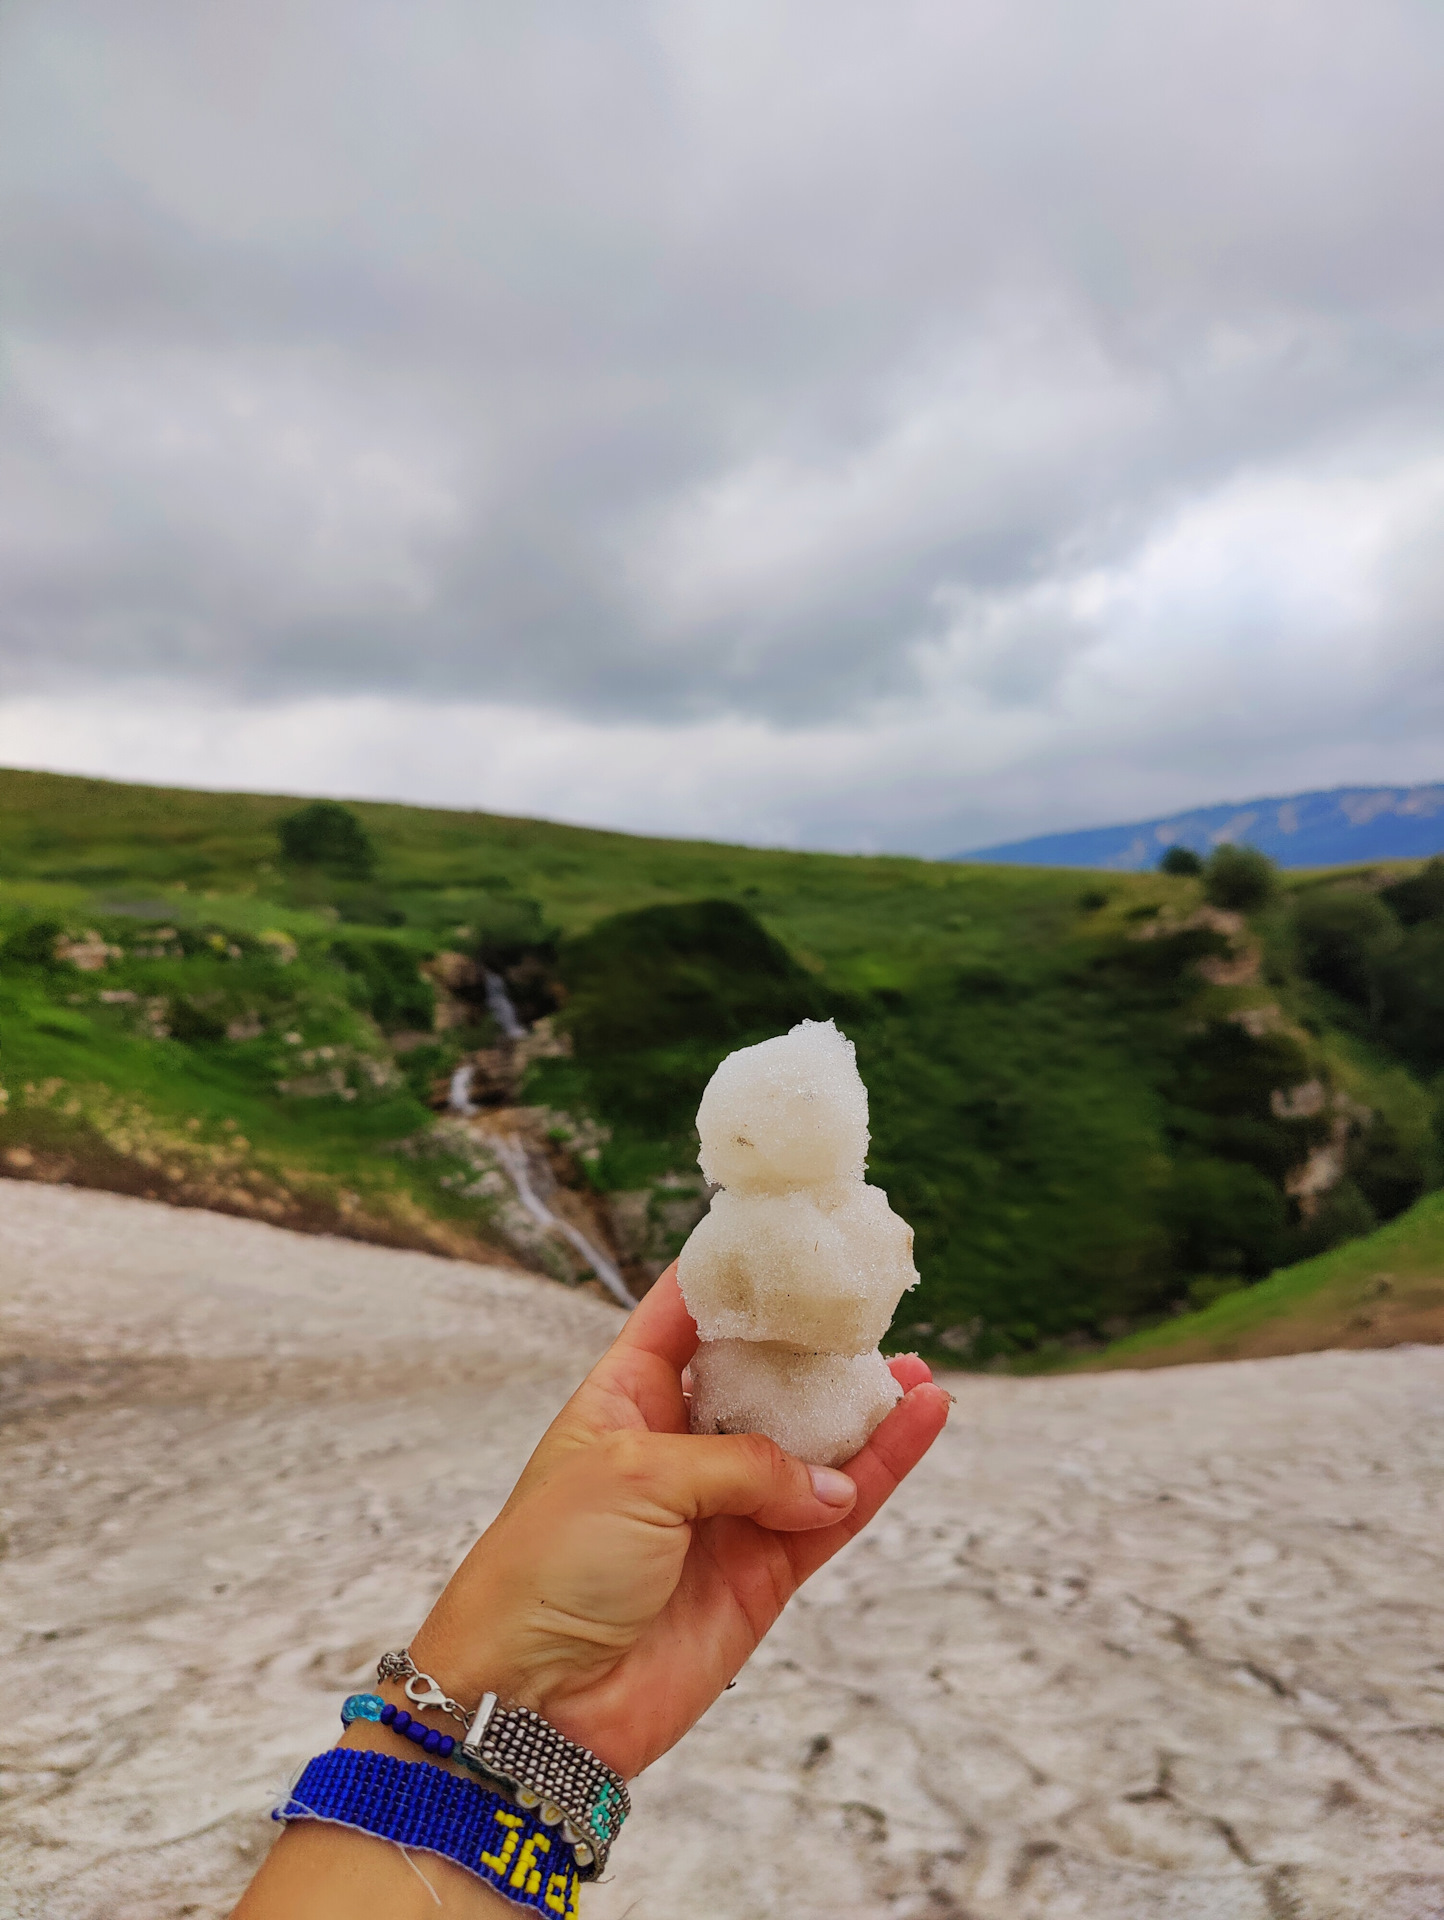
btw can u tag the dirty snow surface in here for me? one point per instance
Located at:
(1155, 1644)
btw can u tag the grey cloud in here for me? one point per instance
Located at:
(678, 360)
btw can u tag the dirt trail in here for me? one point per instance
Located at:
(1151, 1646)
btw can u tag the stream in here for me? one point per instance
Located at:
(511, 1155)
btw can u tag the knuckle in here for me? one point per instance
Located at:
(763, 1457)
(630, 1456)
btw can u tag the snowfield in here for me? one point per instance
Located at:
(1135, 1646)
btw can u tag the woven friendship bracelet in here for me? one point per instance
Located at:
(569, 1786)
(425, 1807)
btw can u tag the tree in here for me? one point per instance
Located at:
(1180, 860)
(326, 834)
(1239, 878)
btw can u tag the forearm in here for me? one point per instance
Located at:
(320, 1872)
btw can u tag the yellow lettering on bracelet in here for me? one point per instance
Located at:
(526, 1877)
(499, 1862)
(558, 1888)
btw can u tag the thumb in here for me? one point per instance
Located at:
(701, 1475)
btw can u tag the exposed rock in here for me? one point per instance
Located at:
(1299, 1103)
(87, 952)
(457, 972)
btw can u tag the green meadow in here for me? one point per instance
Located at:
(1102, 1101)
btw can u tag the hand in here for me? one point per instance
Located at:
(636, 1566)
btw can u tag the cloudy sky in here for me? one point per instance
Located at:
(851, 425)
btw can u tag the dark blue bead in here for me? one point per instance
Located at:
(402, 1720)
(417, 1732)
(432, 1741)
(446, 1746)
(388, 1714)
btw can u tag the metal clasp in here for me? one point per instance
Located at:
(422, 1691)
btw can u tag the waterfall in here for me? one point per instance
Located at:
(511, 1155)
(459, 1099)
(498, 1005)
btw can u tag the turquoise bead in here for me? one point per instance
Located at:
(361, 1706)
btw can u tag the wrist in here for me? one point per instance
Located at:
(576, 1795)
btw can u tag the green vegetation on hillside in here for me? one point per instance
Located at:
(1382, 1290)
(1095, 1099)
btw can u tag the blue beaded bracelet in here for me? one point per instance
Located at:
(370, 1706)
(434, 1811)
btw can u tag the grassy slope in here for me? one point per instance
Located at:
(1018, 1118)
(1380, 1291)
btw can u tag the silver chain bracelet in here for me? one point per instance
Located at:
(421, 1689)
(519, 1750)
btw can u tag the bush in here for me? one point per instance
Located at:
(368, 906)
(33, 945)
(1343, 1214)
(326, 834)
(655, 997)
(1411, 992)
(196, 1026)
(1393, 1162)
(1225, 1219)
(390, 986)
(1180, 860)
(1342, 939)
(1240, 879)
(663, 976)
(508, 929)
(1420, 897)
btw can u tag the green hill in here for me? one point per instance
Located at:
(1094, 1101)
(1380, 1291)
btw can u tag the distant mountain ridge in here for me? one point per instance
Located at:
(1327, 829)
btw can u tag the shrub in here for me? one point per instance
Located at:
(1343, 1214)
(326, 834)
(1420, 897)
(388, 982)
(1180, 860)
(1342, 939)
(33, 945)
(1225, 1219)
(1411, 992)
(706, 970)
(1239, 878)
(1391, 1161)
(192, 1024)
(655, 997)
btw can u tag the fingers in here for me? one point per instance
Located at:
(909, 1371)
(697, 1477)
(878, 1470)
(638, 1381)
(660, 1324)
(897, 1446)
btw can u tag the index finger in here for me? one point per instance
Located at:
(660, 1324)
(877, 1472)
